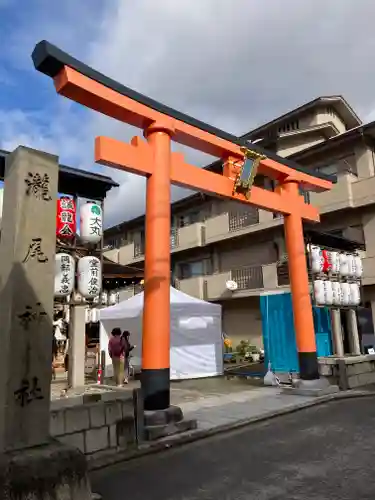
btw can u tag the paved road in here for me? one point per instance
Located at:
(325, 452)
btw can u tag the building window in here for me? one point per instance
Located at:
(139, 246)
(117, 241)
(194, 268)
(187, 219)
(289, 127)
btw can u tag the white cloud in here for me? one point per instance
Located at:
(233, 64)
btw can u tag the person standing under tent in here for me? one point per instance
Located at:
(116, 351)
(127, 350)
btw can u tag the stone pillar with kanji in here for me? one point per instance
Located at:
(27, 265)
(32, 465)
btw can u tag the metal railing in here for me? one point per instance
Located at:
(248, 278)
(239, 219)
(282, 271)
(174, 237)
(139, 249)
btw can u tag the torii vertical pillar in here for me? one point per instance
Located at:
(155, 378)
(299, 284)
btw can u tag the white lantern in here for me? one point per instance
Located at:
(335, 262)
(355, 295)
(104, 298)
(328, 292)
(89, 277)
(319, 292)
(64, 274)
(94, 315)
(358, 266)
(67, 314)
(91, 218)
(351, 265)
(344, 264)
(336, 292)
(345, 294)
(112, 299)
(316, 259)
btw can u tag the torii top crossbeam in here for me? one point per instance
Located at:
(155, 160)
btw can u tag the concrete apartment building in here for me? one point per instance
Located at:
(213, 240)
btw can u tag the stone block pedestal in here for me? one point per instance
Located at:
(52, 471)
(163, 423)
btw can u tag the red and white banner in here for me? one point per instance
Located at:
(66, 218)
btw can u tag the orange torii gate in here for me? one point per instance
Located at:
(153, 159)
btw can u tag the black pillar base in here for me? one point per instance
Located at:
(308, 366)
(155, 386)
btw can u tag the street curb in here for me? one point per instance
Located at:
(96, 463)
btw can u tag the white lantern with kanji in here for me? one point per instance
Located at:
(334, 258)
(316, 259)
(355, 294)
(336, 290)
(358, 266)
(345, 294)
(64, 274)
(89, 277)
(91, 222)
(351, 265)
(328, 292)
(319, 293)
(344, 264)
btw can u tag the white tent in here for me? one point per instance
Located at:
(196, 341)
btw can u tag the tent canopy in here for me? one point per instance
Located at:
(133, 307)
(196, 342)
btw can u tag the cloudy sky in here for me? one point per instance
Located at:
(232, 63)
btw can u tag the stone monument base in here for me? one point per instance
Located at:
(313, 388)
(53, 471)
(163, 423)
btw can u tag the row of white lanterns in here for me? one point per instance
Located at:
(92, 315)
(334, 293)
(89, 276)
(343, 264)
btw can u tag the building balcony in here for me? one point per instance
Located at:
(339, 197)
(186, 237)
(112, 254)
(364, 192)
(192, 286)
(250, 281)
(232, 224)
(130, 253)
(181, 239)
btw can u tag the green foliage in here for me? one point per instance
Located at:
(245, 347)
